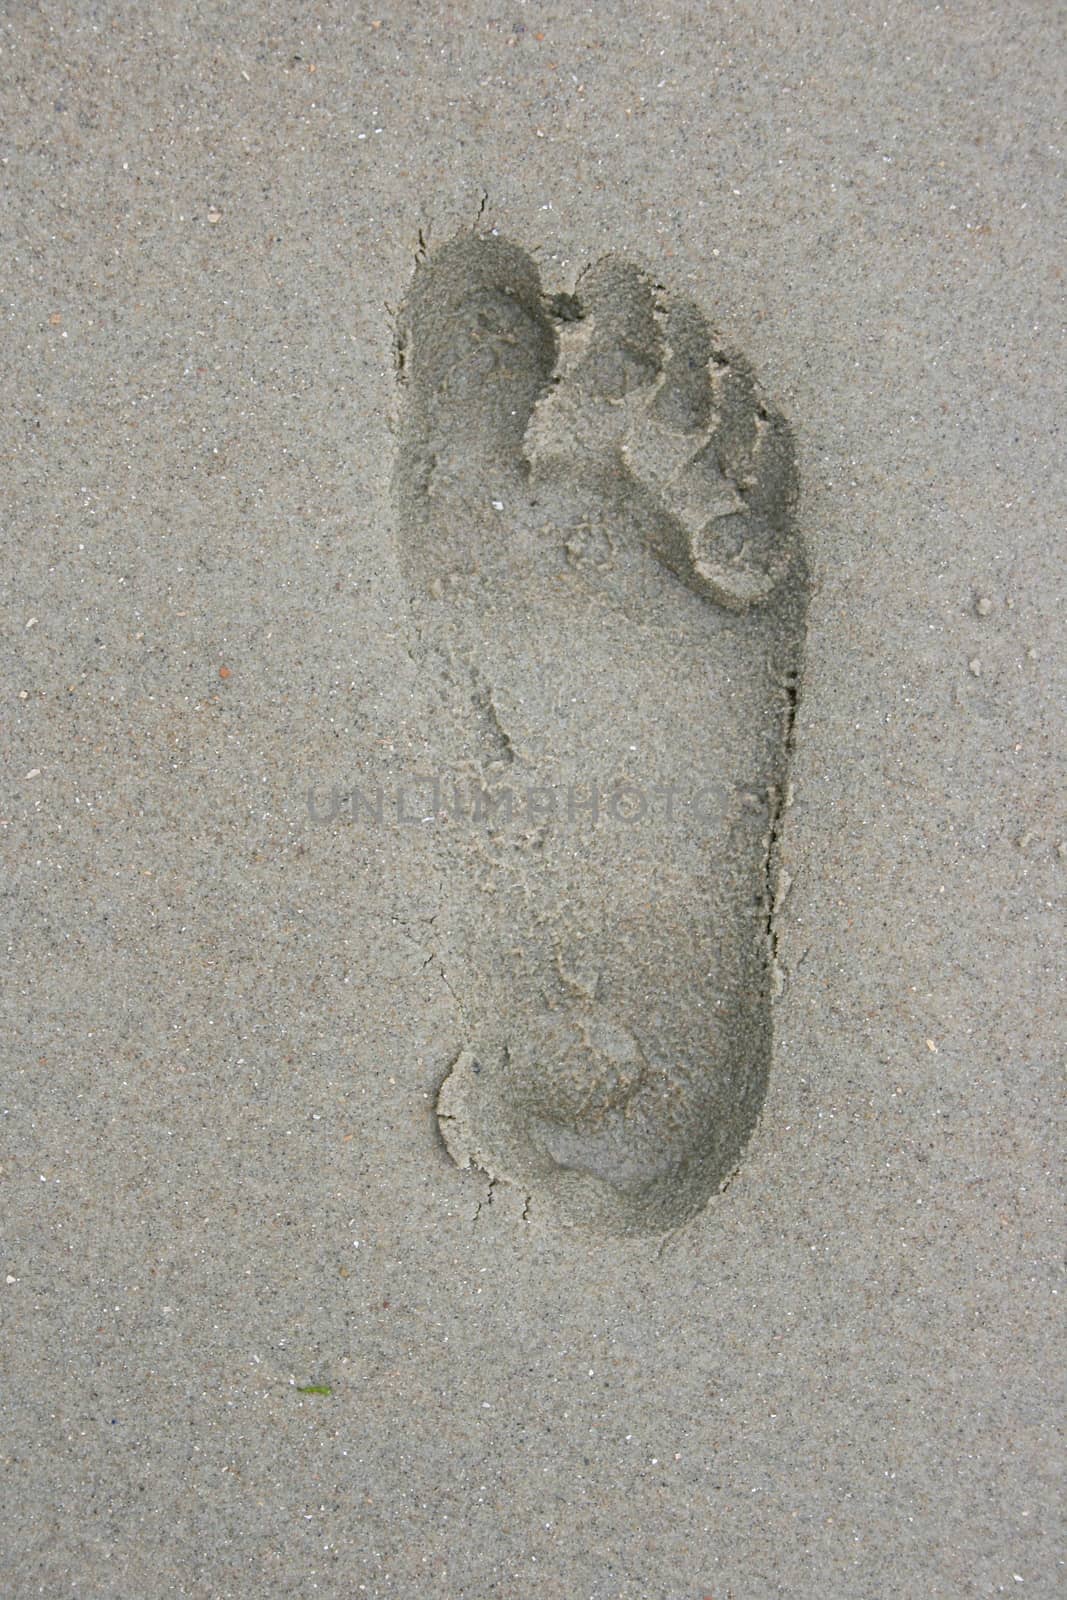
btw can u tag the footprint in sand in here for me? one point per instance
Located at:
(596, 515)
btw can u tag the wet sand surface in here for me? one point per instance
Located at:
(261, 1334)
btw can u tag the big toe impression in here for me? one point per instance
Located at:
(476, 347)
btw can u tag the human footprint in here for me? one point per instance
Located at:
(596, 516)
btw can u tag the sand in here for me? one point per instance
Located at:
(262, 1335)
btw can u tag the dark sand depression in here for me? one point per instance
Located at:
(598, 516)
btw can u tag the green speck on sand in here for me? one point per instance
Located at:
(313, 1388)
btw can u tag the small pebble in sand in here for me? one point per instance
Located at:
(31, 624)
(974, 666)
(34, 772)
(983, 605)
(214, 215)
(224, 672)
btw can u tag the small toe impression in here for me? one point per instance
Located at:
(623, 352)
(609, 365)
(720, 468)
(737, 421)
(737, 560)
(683, 401)
(773, 489)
